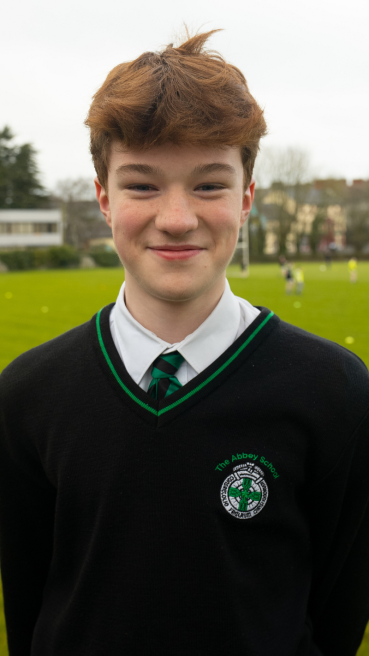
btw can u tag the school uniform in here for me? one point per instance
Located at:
(229, 516)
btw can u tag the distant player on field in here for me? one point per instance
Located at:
(289, 277)
(299, 278)
(352, 267)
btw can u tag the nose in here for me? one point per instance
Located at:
(176, 216)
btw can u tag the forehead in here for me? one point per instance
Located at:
(170, 157)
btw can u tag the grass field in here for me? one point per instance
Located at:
(36, 306)
(39, 305)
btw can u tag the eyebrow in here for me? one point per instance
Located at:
(202, 169)
(215, 167)
(139, 168)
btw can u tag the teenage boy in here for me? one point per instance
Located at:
(162, 490)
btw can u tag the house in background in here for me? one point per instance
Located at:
(30, 228)
(294, 219)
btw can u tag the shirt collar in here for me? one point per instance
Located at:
(139, 347)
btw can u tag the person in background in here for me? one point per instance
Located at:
(299, 277)
(283, 265)
(352, 267)
(290, 282)
(328, 257)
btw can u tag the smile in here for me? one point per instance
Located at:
(183, 252)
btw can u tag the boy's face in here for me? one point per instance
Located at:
(175, 212)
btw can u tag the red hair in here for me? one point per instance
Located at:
(185, 95)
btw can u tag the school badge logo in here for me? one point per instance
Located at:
(245, 492)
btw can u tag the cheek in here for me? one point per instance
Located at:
(225, 224)
(128, 223)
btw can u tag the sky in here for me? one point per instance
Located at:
(306, 63)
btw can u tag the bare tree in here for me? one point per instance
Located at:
(80, 209)
(289, 166)
(285, 172)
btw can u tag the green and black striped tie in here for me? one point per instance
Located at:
(164, 381)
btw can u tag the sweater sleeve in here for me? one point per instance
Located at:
(27, 502)
(340, 591)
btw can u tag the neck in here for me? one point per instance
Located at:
(172, 321)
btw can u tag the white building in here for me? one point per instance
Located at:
(25, 228)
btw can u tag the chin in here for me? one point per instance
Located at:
(176, 292)
(175, 295)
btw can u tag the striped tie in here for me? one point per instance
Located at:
(164, 381)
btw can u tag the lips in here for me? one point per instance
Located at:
(176, 252)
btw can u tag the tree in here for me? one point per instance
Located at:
(20, 186)
(257, 236)
(257, 224)
(289, 166)
(315, 234)
(357, 212)
(80, 209)
(287, 172)
(358, 226)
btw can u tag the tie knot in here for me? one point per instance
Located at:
(166, 365)
(163, 380)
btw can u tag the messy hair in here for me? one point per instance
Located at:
(184, 95)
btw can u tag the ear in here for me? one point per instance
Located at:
(103, 201)
(247, 201)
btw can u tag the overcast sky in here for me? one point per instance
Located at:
(306, 62)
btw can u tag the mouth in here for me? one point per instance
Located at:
(176, 252)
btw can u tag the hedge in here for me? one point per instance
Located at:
(18, 260)
(55, 257)
(105, 258)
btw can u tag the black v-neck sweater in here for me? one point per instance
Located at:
(231, 517)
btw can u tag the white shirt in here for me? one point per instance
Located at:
(139, 347)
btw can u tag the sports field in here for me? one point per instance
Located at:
(36, 306)
(39, 305)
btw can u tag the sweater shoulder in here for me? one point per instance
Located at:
(319, 350)
(328, 366)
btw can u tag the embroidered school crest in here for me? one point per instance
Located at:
(245, 492)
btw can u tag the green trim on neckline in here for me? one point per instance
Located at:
(102, 345)
(144, 405)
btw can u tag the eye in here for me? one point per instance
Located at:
(209, 187)
(141, 187)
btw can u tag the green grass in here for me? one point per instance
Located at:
(69, 298)
(39, 305)
(364, 648)
(330, 305)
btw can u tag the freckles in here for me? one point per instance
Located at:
(127, 223)
(224, 220)
(135, 217)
